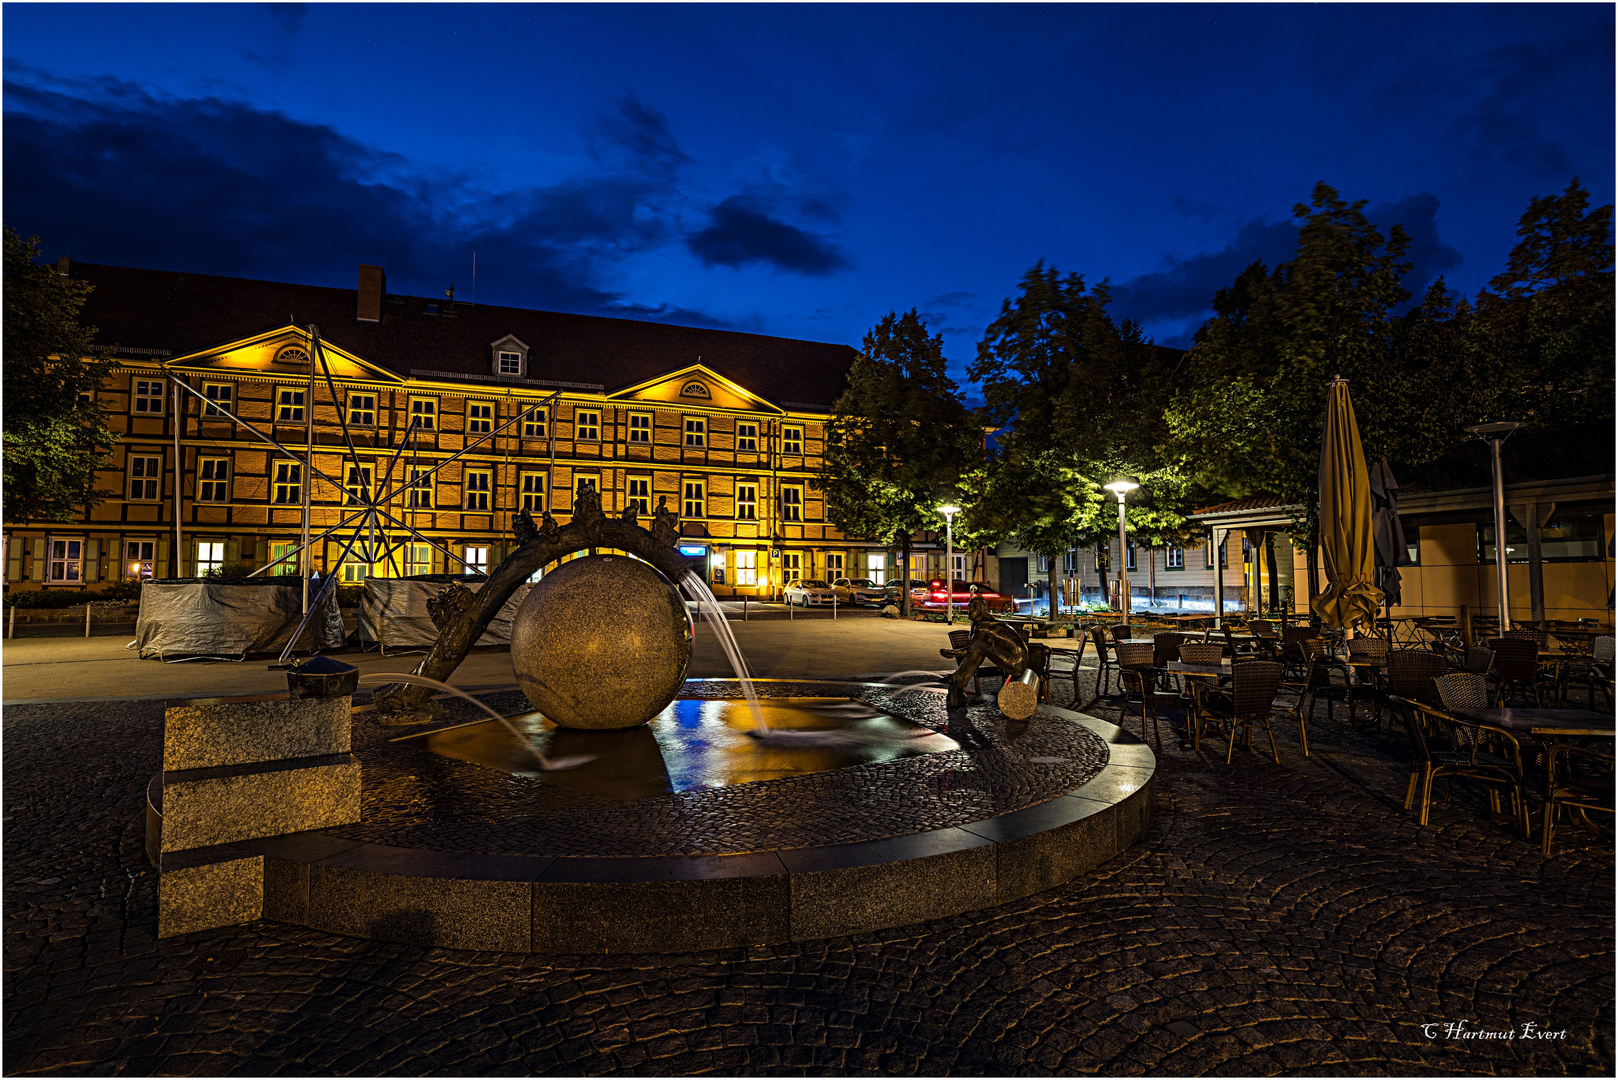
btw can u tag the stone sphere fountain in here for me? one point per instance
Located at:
(601, 643)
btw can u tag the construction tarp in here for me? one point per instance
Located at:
(393, 611)
(231, 617)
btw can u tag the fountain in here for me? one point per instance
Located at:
(609, 804)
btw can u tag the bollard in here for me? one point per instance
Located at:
(11, 628)
(744, 609)
(86, 618)
(834, 607)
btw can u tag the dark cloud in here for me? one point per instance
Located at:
(738, 234)
(288, 17)
(636, 137)
(108, 173)
(1195, 209)
(275, 49)
(1427, 254)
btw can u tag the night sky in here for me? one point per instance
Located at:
(793, 170)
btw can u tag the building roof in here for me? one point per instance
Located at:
(1251, 502)
(143, 311)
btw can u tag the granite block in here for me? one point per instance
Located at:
(210, 733)
(202, 807)
(204, 895)
(444, 912)
(1068, 837)
(677, 915)
(859, 895)
(1115, 783)
(286, 890)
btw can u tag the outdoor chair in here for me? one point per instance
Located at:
(1577, 778)
(1292, 639)
(1193, 653)
(1069, 662)
(1312, 652)
(1411, 673)
(1591, 673)
(1516, 666)
(1463, 690)
(1443, 747)
(1528, 633)
(1166, 647)
(1238, 650)
(1138, 676)
(1479, 660)
(1107, 663)
(1246, 704)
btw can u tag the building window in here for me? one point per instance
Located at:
(791, 565)
(424, 413)
(876, 568)
(533, 493)
(834, 564)
(747, 568)
(747, 438)
(1561, 540)
(1174, 558)
(362, 410)
(145, 479)
(587, 424)
(477, 489)
(640, 427)
(510, 363)
(221, 397)
(959, 570)
(148, 397)
(476, 559)
(1207, 556)
(421, 489)
(694, 389)
(792, 440)
(582, 481)
(357, 566)
(696, 431)
(283, 561)
(210, 556)
(791, 503)
(479, 419)
(1070, 562)
(418, 559)
(1131, 564)
(66, 559)
(139, 558)
(746, 502)
(357, 487)
(534, 423)
(213, 480)
(695, 501)
(288, 484)
(289, 406)
(640, 494)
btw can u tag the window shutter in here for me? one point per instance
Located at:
(14, 559)
(92, 561)
(160, 565)
(37, 571)
(233, 551)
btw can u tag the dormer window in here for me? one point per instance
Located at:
(509, 358)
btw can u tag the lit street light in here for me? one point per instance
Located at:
(1122, 487)
(1495, 434)
(949, 513)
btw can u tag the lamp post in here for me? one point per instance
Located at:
(1122, 487)
(949, 513)
(1495, 434)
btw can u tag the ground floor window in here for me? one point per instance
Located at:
(747, 568)
(876, 568)
(418, 559)
(139, 556)
(66, 561)
(210, 556)
(834, 564)
(477, 560)
(283, 551)
(958, 571)
(357, 564)
(1174, 558)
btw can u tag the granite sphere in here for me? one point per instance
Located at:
(602, 642)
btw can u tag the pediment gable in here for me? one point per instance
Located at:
(697, 385)
(284, 350)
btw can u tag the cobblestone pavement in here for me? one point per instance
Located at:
(1285, 919)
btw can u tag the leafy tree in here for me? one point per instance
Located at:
(900, 439)
(54, 440)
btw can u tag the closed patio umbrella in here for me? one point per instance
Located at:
(1392, 551)
(1346, 541)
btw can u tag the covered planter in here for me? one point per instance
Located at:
(230, 617)
(394, 615)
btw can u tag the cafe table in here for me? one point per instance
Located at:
(1541, 723)
(1203, 676)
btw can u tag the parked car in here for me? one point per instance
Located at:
(808, 592)
(918, 590)
(858, 591)
(937, 598)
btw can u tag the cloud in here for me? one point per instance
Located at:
(277, 52)
(1195, 209)
(738, 234)
(1428, 255)
(109, 173)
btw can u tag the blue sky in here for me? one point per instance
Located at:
(792, 169)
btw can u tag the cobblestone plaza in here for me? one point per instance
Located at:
(1275, 920)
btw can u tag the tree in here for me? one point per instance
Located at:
(54, 437)
(899, 440)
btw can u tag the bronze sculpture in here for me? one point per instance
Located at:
(991, 640)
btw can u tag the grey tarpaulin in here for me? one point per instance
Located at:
(220, 617)
(393, 612)
(1391, 550)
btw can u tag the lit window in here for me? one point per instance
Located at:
(213, 480)
(421, 489)
(533, 493)
(477, 560)
(289, 406)
(586, 424)
(362, 410)
(876, 568)
(960, 568)
(640, 427)
(1131, 564)
(479, 419)
(357, 486)
(534, 423)
(510, 363)
(696, 431)
(138, 558)
(747, 568)
(747, 437)
(283, 560)
(418, 559)
(210, 556)
(746, 502)
(792, 440)
(221, 397)
(288, 485)
(695, 502)
(640, 494)
(424, 413)
(792, 504)
(357, 567)
(148, 397)
(477, 490)
(145, 478)
(66, 559)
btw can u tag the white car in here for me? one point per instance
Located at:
(859, 591)
(808, 591)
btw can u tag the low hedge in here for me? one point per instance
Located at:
(55, 598)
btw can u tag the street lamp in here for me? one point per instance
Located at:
(1495, 434)
(949, 513)
(1122, 487)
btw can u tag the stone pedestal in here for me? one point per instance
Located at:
(237, 769)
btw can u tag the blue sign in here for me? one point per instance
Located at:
(692, 551)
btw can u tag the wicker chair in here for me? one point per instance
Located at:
(1237, 650)
(1106, 661)
(1479, 660)
(1591, 673)
(1463, 690)
(1247, 704)
(1516, 665)
(1138, 676)
(1318, 683)
(1411, 673)
(1313, 652)
(1528, 633)
(1266, 641)
(1577, 778)
(1444, 747)
(1166, 647)
(1193, 653)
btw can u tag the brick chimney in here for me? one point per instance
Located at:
(64, 266)
(373, 287)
